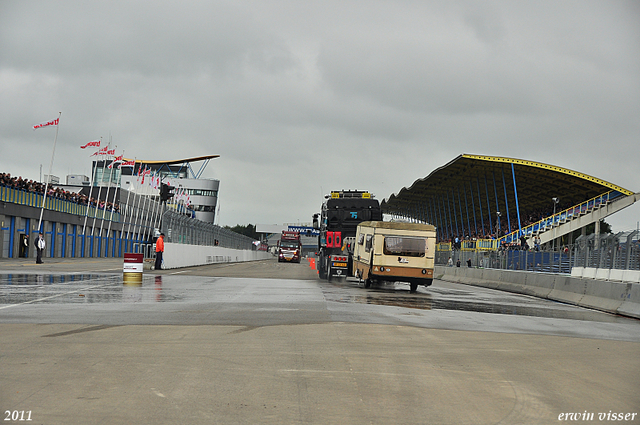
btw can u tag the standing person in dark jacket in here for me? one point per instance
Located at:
(40, 246)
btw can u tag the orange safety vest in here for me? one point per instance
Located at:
(160, 244)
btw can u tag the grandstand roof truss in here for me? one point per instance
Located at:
(469, 191)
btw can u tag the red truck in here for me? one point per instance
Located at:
(289, 247)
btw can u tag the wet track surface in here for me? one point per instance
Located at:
(103, 299)
(439, 298)
(271, 343)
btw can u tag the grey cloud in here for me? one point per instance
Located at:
(306, 97)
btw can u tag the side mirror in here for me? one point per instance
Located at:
(316, 224)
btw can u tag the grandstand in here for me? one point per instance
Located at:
(498, 201)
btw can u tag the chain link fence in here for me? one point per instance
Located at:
(178, 228)
(620, 251)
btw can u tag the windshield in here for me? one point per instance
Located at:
(289, 244)
(408, 247)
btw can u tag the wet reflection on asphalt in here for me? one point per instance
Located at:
(89, 288)
(22, 288)
(435, 298)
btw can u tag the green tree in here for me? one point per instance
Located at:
(247, 230)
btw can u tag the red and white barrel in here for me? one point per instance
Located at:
(132, 268)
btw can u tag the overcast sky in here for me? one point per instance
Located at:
(303, 97)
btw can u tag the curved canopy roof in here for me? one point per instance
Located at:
(476, 180)
(174, 161)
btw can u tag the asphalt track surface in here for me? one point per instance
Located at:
(267, 342)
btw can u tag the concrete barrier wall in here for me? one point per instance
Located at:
(180, 255)
(614, 297)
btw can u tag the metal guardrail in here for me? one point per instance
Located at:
(610, 251)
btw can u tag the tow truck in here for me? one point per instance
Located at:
(338, 220)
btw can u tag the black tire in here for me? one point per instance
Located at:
(328, 273)
(322, 271)
(413, 287)
(367, 283)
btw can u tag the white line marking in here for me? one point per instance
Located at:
(55, 296)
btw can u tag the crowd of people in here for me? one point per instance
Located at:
(521, 244)
(32, 186)
(493, 231)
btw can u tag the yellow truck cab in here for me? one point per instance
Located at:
(394, 252)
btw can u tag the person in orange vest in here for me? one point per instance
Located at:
(159, 252)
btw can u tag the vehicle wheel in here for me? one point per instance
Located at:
(329, 273)
(322, 271)
(414, 287)
(367, 283)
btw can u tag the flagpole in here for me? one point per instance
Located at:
(158, 212)
(127, 207)
(86, 214)
(141, 209)
(137, 208)
(46, 189)
(93, 226)
(134, 201)
(106, 198)
(154, 205)
(113, 204)
(143, 219)
(143, 201)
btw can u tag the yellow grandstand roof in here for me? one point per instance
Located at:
(481, 179)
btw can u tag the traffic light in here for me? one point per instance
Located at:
(163, 192)
(166, 192)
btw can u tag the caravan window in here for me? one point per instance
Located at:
(369, 244)
(361, 239)
(408, 247)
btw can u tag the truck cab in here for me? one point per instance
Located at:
(289, 247)
(338, 220)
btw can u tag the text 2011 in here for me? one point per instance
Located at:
(17, 415)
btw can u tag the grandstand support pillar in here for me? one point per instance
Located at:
(555, 202)
(454, 214)
(515, 191)
(473, 207)
(486, 189)
(495, 191)
(466, 204)
(596, 243)
(461, 214)
(447, 222)
(506, 203)
(443, 223)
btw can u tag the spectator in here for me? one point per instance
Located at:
(35, 187)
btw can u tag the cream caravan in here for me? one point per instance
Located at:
(390, 251)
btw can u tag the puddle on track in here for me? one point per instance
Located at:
(87, 288)
(453, 299)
